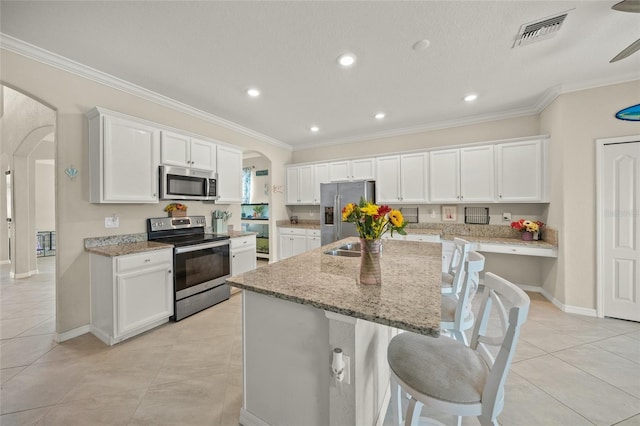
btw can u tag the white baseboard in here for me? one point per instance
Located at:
(590, 312)
(23, 275)
(248, 419)
(68, 335)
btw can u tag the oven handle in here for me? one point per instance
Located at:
(202, 246)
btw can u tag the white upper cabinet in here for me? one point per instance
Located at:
(521, 171)
(229, 175)
(402, 178)
(477, 171)
(184, 151)
(321, 176)
(360, 169)
(463, 175)
(444, 176)
(303, 183)
(124, 156)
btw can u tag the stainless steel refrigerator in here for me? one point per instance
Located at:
(333, 197)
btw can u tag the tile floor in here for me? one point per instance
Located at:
(569, 369)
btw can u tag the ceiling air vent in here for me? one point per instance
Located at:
(539, 30)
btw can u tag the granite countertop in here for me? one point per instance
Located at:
(301, 224)
(408, 298)
(127, 248)
(238, 234)
(498, 240)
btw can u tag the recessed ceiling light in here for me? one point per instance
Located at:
(347, 60)
(314, 129)
(421, 45)
(253, 92)
(471, 97)
(379, 115)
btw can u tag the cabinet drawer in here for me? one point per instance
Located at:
(293, 231)
(241, 242)
(143, 260)
(313, 232)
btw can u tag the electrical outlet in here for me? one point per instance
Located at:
(111, 222)
(506, 216)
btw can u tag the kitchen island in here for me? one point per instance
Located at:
(297, 311)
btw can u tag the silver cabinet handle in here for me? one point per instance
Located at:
(147, 260)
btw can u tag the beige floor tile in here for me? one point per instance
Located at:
(45, 327)
(623, 346)
(8, 373)
(232, 405)
(84, 345)
(13, 327)
(170, 374)
(634, 335)
(25, 350)
(633, 421)
(526, 350)
(523, 402)
(23, 418)
(593, 398)
(114, 409)
(190, 402)
(41, 385)
(547, 338)
(613, 369)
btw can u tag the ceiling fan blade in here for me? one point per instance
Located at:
(632, 48)
(627, 6)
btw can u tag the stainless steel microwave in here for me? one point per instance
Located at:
(181, 183)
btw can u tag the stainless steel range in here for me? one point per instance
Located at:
(201, 262)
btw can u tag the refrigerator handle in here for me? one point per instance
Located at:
(338, 216)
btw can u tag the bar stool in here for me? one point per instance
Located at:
(457, 316)
(451, 280)
(445, 375)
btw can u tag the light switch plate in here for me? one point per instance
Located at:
(111, 222)
(506, 216)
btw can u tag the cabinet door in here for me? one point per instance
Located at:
(285, 244)
(175, 149)
(229, 175)
(364, 168)
(388, 179)
(143, 296)
(131, 158)
(339, 171)
(519, 171)
(293, 184)
(444, 175)
(243, 260)
(203, 155)
(477, 174)
(413, 178)
(321, 176)
(313, 242)
(298, 244)
(305, 184)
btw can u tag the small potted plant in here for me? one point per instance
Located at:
(257, 211)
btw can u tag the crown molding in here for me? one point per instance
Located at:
(46, 57)
(446, 124)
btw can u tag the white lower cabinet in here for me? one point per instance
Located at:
(243, 256)
(294, 241)
(130, 294)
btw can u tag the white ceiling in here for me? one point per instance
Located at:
(206, 54)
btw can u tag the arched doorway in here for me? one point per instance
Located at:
(255, 212)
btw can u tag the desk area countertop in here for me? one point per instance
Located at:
(408, 298)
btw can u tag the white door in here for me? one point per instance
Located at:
(621, 230)
(519, 171)
(413, 178)
(477, 170)
(444, 176)
(229, 175)
(388, 179)
(203, 155)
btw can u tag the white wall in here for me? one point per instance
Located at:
(45, 195)
(260, 185)
(72, 96)
(575, 120)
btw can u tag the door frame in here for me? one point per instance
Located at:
(600, 145)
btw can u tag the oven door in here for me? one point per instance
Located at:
(201, 267)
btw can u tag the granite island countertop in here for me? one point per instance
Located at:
(408, 298)
(127, 248)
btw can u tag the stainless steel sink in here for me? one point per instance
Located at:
(343, 253)
(350, 247)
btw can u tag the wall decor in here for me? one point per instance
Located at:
(71, 172)
(449, 213)
(631, 113)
